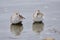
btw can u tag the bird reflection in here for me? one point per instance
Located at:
(16, 29)
(38, 27)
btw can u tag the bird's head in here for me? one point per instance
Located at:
(37, 11)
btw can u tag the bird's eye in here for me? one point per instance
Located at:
(37, 13)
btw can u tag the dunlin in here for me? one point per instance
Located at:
(16, 18)
(37, 16)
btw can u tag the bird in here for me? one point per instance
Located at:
(49, 38)
(37, 16)
(16, 18)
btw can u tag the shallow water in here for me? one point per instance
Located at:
(29, 30)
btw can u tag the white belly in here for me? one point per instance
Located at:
(37, 18)
(15, 20)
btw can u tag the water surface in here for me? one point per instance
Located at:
(29, 30)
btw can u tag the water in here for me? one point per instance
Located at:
(29, 30)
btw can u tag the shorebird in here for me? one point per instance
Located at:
(49, 38)
(16, 18)
(37, 16)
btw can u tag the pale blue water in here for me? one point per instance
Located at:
(29, 31)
